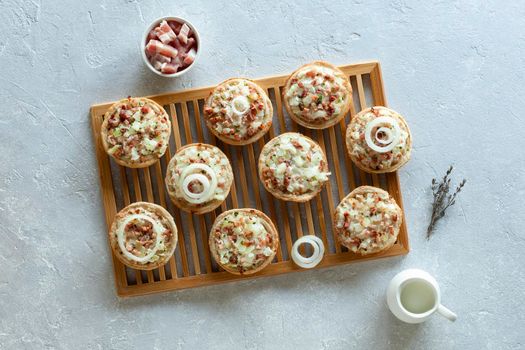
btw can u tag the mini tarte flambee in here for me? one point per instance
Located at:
(243, 241)
(143, 236)
(198, 178)
(368, 220)
(317, 95)
(135, 132)
(293, 167)
(238, 111)
(378, 140)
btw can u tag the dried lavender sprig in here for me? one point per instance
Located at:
(442, 199)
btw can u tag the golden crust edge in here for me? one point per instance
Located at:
(104, 134)
(362, 190)
(260, 214)
(213, 204)
(278, 194)
(260, 133)
(150, 207)
(329, 123)
(404, 160)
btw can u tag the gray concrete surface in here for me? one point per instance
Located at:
(454, 68)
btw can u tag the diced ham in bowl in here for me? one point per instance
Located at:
(171, 46)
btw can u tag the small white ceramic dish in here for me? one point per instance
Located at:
(145, 37)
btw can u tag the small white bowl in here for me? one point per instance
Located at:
(145, 37)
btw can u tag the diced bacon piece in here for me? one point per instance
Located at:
(162, 58)
(175, 26)
(165, 33)
(158, 60)
(183, 34)
(177, 61)
(157, 64)
(168, 68)
(190, 57)
(152, 35)
(177, 44)
(155, 46)
(189, 44)
(151, 48)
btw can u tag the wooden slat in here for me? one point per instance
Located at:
(197, 119)
(193, 234)
(124, 184)
(282, 205)
(338, 170)
(108, 196)
(127, 201)
(151, 199)
(149, 187)
(278, 103)
(162, 200)
(242, 176)
(270, 201)
(178, 217)
(328, 189)
(160, 183)
(233, 189)
(248, 190)
(205, 231)
(348, 161)
(255, 178)
(351, 166)
(136, 185)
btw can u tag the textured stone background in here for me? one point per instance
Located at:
(454, 68)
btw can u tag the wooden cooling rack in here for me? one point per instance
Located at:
(191, 265)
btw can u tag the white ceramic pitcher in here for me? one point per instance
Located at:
(413, 296)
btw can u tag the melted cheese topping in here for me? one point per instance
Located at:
(368, 158)
(243, 241)
(366, 223)
(316, 94)
(237, 110)
(209, 155)
(293, 165)
(137, 131)
(140, 236)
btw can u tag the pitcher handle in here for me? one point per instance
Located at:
(451, 316)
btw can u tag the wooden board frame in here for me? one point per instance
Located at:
(192, 266)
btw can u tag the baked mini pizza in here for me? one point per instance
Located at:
(378, 140)
(198, 178)
(317, 95)
(238, 111)
(243, 241)
(143, 236)
(293, 167)
(368, 220)
(136, 132)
